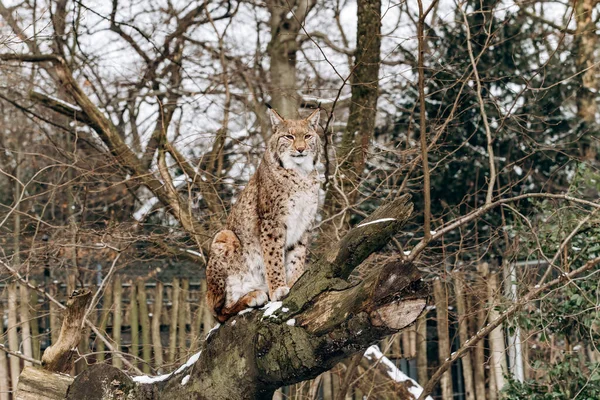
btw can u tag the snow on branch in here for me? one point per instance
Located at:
(373, 353)
(141, 213)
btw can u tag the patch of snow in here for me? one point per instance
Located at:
(247, 310)
(285, 309)
(150, 379)
(153, 379)
(377, 221)
(432, 232)
(62, 102)
(191, 361)
(291, 322)
(193, 252)
(373, 353)
(406, 252)
(233, 322)
(518, 170)
(214, 328)
(270, 308)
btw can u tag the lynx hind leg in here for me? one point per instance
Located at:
(256, 298)
(222, 257)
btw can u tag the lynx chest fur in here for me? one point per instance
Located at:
(263, 250)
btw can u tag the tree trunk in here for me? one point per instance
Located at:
(325, 319)
(361, 121)
(287, 18)
(586, 44)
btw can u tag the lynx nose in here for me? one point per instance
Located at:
(300, 149)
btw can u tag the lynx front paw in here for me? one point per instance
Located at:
(258, 298)
(280, 293)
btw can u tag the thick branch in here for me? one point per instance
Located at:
(325, 319)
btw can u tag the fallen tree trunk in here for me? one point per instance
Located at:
(326, 317)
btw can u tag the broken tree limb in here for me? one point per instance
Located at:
(326, 318)
(37, 383)
(60, 356)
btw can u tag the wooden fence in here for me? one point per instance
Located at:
(160, 324)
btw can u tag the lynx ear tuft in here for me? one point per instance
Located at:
(313, 118)
(274, 116)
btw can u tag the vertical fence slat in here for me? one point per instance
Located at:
(478, 370)
(181, 317)
(13, 338)
(35, 322)
(134, 323)
(497, 335)
(463, 334)
(117, 318)
(4, 371)
(196, 324)
(173, 323)
(207, 319)
(156, 339)
(25, 318)
(104, 319)
(54, 314)
(441, 309)
(145, 322)
(421, 339)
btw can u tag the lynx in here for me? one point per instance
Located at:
(262, 251)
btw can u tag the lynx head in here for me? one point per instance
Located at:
(295, 143)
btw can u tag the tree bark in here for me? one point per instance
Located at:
(60, 356)
(363, 111)
(586, 44)
(324, 319)
(287, 18)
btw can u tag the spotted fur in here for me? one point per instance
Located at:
(262, 252)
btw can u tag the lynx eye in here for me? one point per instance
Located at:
(307, 137)
(289, 137)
